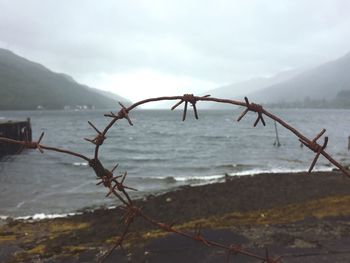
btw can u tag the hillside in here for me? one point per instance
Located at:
(24, 85)
(241, 89)
(322, 85)
(325, 86)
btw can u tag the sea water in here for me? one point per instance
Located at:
(160, 152)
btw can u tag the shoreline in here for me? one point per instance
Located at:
(213, 179)
(284, 211)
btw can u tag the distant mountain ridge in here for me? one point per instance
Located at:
(322, 83)
(327, 85)
(241, 89)
(26, 85)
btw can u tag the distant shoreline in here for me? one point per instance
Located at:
(230, 107)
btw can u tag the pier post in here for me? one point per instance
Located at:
(17, 130)
(277, 141)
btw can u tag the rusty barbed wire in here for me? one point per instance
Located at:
(255, 108)
(115, 184)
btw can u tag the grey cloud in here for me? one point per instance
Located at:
(218, 41)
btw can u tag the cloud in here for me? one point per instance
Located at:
(206, 41)
(149, 83)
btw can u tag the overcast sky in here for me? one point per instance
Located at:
(140, 49)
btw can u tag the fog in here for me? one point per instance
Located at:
(139, 49)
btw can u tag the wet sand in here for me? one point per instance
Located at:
(302, 217)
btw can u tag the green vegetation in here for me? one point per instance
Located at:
(319, 208)
(25, 85)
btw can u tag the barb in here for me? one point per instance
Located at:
(314, 146)
(36, 145)
(189, 98)
(109, 181)
(255, 108)
(41, 147)
(99, 139)
(122, 114)
(26, 144)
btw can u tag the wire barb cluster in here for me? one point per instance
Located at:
(255, 108)
(35, 145)
(315, 147)
(122, 114)
(188, 98)
(115, 184)
(99, 138)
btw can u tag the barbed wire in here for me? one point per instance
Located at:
(115, 184)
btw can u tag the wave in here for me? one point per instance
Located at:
(278, 170)
(40, 216)
(171, 182)
(237, 166)
(148, 159)
(129, 150)
(197, 178)
(76, 164)
(290, 160)
(214, 137)
(163, 133)
(80, 164)
(217, 177)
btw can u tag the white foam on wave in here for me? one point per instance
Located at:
(41, 216)
(278, 170)
(20, 204)
(217, 177)
(197, 178)
(80, 164)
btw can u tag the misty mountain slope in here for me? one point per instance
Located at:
(321, 83)
(25, 85)
(241, 89)
(232, 91)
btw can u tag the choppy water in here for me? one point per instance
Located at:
(159, 152)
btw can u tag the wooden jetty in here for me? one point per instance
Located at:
(17, 130)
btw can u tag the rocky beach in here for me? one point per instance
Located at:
(301, 217)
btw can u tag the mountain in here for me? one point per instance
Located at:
(25, 85)
(111, 95)
(240, 89)
(322, 85)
